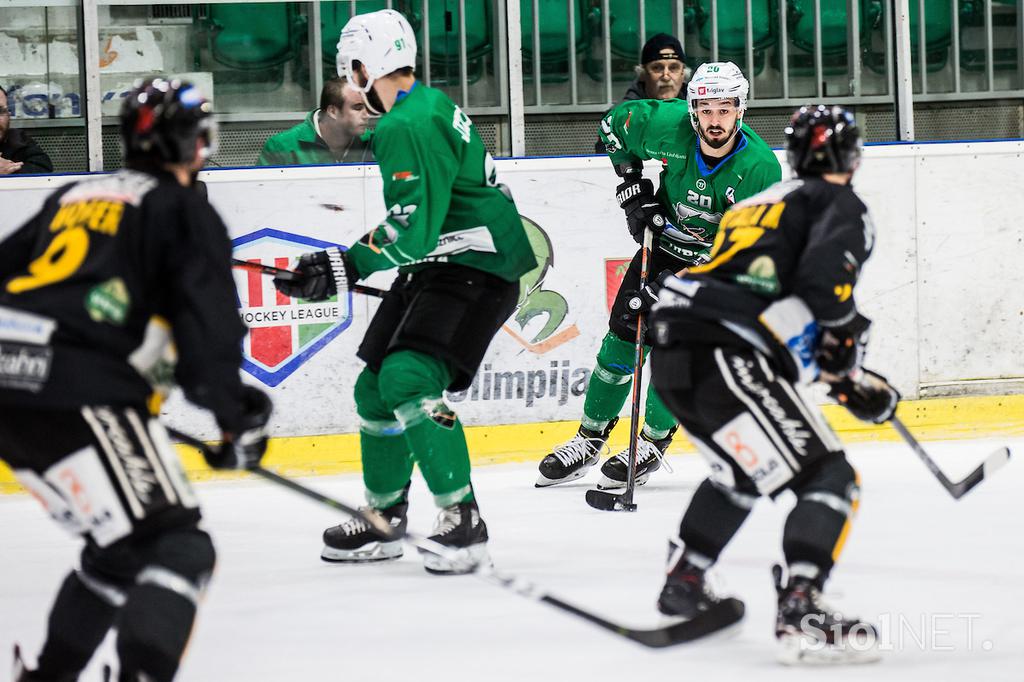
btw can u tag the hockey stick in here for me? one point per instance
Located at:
(606, 501)
(996, 460)
(292, 276)
(722, 615)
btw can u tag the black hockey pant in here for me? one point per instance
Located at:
(110, 475)
(761, 436)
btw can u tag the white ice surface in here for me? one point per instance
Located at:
(943, 578)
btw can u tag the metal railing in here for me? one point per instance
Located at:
(960, 50)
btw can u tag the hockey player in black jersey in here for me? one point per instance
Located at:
(739, 339)
(93, 290)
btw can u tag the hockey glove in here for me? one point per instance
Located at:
(641, 302)
(322, 274)
(841, 349)
(245, 442)
(867, 395)
(636, 198)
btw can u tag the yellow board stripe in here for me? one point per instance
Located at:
(931, 419)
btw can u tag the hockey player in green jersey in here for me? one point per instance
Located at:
(460, 248)
(710, 160)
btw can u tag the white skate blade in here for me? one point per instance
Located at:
(371, 551)
(797, 649)
(474, 556)
(611, 484)
(545, 482)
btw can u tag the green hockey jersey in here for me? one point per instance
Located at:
(693, 195)
(444, 201)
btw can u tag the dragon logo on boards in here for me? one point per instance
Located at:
(283, 333)
(535, 301)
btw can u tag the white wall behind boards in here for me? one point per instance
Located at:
(944, 286)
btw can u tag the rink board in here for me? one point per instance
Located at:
(944, 289)
(934, 419)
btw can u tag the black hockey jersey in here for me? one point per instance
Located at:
(96, 285)
(784, 263)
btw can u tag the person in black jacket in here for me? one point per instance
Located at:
(19, 153)
(739, 339)
(93, 289)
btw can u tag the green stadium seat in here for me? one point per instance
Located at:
(251, 36)
(938, 27)
(732, 26)
(443, 25)
(334, 14)
(554, 37)
(1005, 15)
(625, 39)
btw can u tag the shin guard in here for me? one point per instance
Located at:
(817, 527)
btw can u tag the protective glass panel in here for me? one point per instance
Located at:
(39, 54)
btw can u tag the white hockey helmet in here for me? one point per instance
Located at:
(381, 41)
(717, 80)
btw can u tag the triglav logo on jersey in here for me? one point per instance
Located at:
(283, 332)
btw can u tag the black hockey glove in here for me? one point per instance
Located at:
(841, 349)
(245, 442)
(636, 198)
(868, 397)
(640, 302)
(322, 274)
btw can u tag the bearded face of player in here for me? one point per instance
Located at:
(717, 121)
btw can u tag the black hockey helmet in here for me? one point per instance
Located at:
(162, 119)
(821, 139)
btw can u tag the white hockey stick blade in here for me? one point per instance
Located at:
(993, 463)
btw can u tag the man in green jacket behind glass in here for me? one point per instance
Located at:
(334, 133)
(458, 242)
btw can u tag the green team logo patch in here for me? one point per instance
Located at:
(108, 302)
(761, 276)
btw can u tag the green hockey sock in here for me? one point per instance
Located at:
(434, 434)
(658, 421)
(609, 382)
(387, 466)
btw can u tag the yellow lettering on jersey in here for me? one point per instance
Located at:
(97, 215)
(741, 238)
(62, 258)
(771, 218)
(67, 251)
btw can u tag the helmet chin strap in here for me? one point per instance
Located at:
(372, 102)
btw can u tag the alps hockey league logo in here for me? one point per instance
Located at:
(283, 333)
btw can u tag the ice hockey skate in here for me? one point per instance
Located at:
(810, 632)
(687, 593)
(573, 459)
(458, 527)
(650, 455)
(355, 541)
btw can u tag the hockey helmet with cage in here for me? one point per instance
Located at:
(382, 41)
(161, 120)
(822, 139)
(716, 80)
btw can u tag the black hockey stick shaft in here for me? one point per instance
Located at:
(638, 371)
(993, 462)
(657, 637)
(292, 276)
